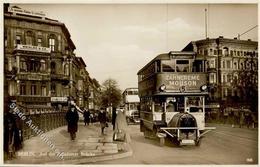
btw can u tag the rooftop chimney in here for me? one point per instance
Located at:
(221, 37)
(235, 38)
(249, 40)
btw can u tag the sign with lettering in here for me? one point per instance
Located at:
(13, 9)
(59, 99)
(33, 48)
(182, 82)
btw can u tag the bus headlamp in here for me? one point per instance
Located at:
(162, 87)
(203, 87)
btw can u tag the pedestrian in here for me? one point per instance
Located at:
(248, 119)
(9, 133)
(86, 116)
(114, 114)
(241, 119)
(72, 118)
(121, 132)
(102, 117)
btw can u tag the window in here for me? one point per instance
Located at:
(229, 78)
(223, 64)
(168, 66)
(17, 40)
(80, 84)
(228, 64)
(33, 65)
(225, 51)
(182, 65)
(29, 38)
(238, 53)
(44, 90)
(231, 53)
(22, 89)
(33, 89)
(212, 63)
(66, 69)
(241, 65)
(198, 66)
(205, 52)
(225, 92)
(53, 87)
(52, 42)
(235, 66)
(211, 51)
(23, 65)
(43, 66)
(39, 42)
(229, 92)
(220, 51)
(5, 41)
(223, 78)
(212, 78)
(215, 52)
(158, 66)
(53, 68)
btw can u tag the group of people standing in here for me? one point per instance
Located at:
(72, 118)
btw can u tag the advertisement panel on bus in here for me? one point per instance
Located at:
(181, 82)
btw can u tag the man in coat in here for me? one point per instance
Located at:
(72, 118)
(114, 113)
(102, 117)
(86, 115)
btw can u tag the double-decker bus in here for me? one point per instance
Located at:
(131, 104)
(172, 89)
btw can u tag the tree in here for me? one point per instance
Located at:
(110, 93)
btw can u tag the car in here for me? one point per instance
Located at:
(134, 117)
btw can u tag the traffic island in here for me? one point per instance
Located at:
(89, 147)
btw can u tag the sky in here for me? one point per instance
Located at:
(117, 40)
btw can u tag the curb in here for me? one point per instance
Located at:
(94, 159)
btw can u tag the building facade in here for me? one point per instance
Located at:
(228, 62)
(41, 71)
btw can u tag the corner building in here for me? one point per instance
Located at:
(39, 66)
(227, 59)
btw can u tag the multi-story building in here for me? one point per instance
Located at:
(41, 71)
(94, 94)
(82, 84)
(227, 62)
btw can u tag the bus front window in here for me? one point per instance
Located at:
(194, 104)
(168, 66)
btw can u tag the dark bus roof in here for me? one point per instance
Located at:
(166, 56)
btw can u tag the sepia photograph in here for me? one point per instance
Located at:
(130, 83)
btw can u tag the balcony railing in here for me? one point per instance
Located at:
(32, 48)
(59, 77)
(34, 98)
(33, 76)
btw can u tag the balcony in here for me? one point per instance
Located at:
(30, 48)
(33, 76)
(60, 77)
(33, 99)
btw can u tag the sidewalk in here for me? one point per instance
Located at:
(90, 146)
